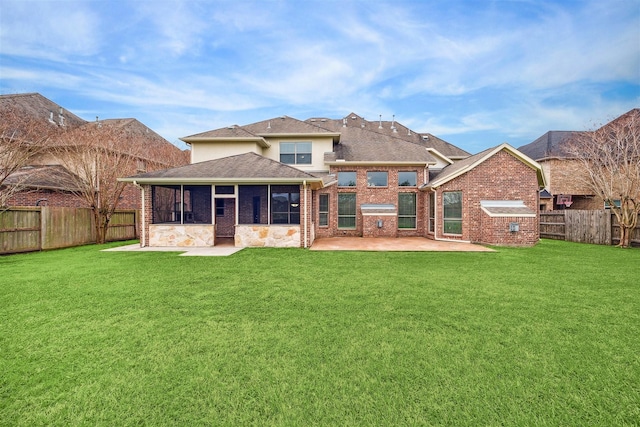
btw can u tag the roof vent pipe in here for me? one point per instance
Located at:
(344, 123)
(393, 123)
(269, 125)
(380, 127)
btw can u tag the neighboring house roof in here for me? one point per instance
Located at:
(37, 106)
(462, 166)
(624, 119)
(551, 144)
(247, 167)
(156, 148)
(47, 177)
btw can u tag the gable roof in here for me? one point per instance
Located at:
(551, 144)
(463, 166)
(247, 168)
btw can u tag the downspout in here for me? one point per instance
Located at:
(306, 211)
(143, 229)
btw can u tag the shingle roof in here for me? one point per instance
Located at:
(548, 145)
(49, 177)
(37, 106)
(361, 145)
(284, 125)
(247, 166)
(234, 131)
(359, 140)
(275, 126)
(352, 127)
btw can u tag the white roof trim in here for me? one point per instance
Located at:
(504, 146)
(517, 207)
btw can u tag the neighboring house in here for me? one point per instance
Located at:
(47, 181)
(285, 182)
(565, 176)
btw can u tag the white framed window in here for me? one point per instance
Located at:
(295, 153)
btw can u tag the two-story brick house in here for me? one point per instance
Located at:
(286, 182)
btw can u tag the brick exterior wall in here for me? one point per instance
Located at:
(130, 199)
(366, 225)
(46, 198)
(501, 177)
(568, 177)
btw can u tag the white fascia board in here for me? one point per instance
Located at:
(260, 141)
(374, 163)
(221, 180)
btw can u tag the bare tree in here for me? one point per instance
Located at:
(99, 153)
(21, 140)
(610, 158)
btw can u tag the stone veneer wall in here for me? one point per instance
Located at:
(181, 235)
(271, 236)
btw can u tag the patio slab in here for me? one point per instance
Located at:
(409, 244)
(218, 250)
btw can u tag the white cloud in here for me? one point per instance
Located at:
(51, 30)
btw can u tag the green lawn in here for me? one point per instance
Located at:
(548, 335)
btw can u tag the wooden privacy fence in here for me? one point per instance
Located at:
(599, 227)
(40, 228)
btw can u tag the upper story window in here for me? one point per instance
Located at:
(407, 179)
(377, 179)
(295, 153)
(346, 179)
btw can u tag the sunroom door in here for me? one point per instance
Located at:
(225, 217)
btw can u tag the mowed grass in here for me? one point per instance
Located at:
(540, 336)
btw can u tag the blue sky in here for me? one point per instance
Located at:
(475, 73)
